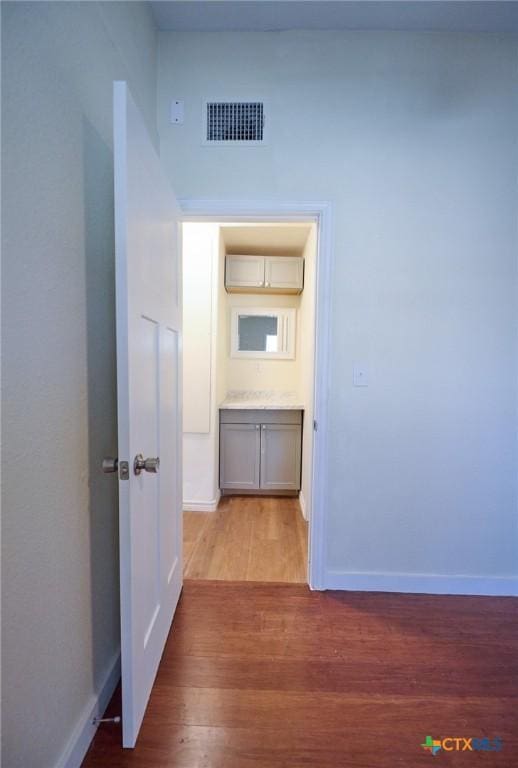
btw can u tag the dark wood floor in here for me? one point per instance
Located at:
(274, 676)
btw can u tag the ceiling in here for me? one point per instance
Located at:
(267, 15)
(265, 239)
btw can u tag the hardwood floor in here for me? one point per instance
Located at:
(248, 538)
(276, 676)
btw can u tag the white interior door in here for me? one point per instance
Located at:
(148, 282)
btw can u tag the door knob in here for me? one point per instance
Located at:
(148, 465)
(110, 464)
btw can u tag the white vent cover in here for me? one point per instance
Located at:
(230, 122)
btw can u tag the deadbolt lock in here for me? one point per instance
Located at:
(110, 465)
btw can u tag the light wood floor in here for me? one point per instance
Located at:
(248, 538)
(276, 676)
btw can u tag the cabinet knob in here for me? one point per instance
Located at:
(264, 426)
(257, 426)
(267, 285)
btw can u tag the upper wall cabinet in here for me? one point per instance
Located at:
(284, 273)
(244, 272)
(264, 274)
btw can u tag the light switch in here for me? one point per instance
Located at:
(360, 375)
(177, 112)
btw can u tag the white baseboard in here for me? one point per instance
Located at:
(202, 506)
(494, 586)
(303, 506)
(84, 731)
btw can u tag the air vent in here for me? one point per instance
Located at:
(234, 122)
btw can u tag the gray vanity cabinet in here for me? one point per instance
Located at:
(280, 457)
(260, 450)
(239, 459)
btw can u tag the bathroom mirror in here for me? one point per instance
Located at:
(263, 333)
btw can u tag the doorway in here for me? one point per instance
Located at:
(245, 520)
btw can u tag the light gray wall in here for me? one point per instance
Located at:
(412, 137)
(60, 553)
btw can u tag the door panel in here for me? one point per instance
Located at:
(149, 404)
(171, 534)
(280, 457)
(240, 452)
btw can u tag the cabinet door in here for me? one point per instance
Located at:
(284, 273)
(280, 457)
(239, 456)
(244, 271)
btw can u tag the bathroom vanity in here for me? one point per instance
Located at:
(260, 446)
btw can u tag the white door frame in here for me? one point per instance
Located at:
(289, 211)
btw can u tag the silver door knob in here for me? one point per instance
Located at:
(110, 464)
(148, 465)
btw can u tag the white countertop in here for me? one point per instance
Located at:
(262, 399)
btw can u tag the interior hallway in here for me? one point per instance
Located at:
(248, 538)
(276, 676)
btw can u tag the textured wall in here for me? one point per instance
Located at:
(412, 138)
(60, 553)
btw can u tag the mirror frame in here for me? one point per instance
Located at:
(286, 322)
